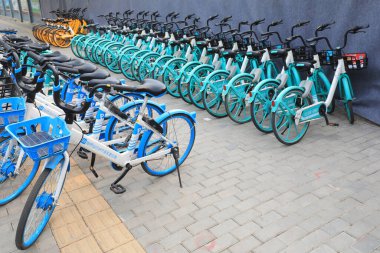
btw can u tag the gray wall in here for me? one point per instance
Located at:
(346, 13)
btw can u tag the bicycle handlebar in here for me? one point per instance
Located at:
(274, 23)
(300, 24)
(323, 27)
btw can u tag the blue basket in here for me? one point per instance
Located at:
(11, 110)
(42, 137)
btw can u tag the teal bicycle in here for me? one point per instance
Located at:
(295, 107)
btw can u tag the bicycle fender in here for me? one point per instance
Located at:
(54, 161)
(211, 75)
(261, 84)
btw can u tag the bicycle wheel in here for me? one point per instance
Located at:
(234, 101)
(125, 61)
(145, 68)
(212, 94)
(117, 129)
(177, 127)
(197, 76)
(39, 207)
(171, 76)
(283, 121)
(13, 182)
(183, 82)
(260, 108)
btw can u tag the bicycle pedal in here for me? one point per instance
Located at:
(117, 188)
(333, 124)
(82, 154)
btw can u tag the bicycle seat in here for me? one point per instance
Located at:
(229, 53)
(162, 40)
(254, 54)
(151, 87)
(279, 52)
(174, 43)
(304, 66)
(39, 47)
(213, 50)
(202, 44)
(109, 80)
(16, 38)
(97, 74)
(187, 40)
(60, 58)
(54, 54)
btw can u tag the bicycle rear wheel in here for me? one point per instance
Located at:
(177, 127)
(39, 207)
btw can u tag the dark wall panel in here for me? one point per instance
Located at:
(346, 13)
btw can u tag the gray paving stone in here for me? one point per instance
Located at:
(341, 242)
(245, 245)
(323, 249)
(272, 246)
(367, 244)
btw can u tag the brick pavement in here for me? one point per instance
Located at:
(245, 192)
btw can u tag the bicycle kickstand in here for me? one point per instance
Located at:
(92, 169)
(175, 153)
(118, 188)
(328, 123)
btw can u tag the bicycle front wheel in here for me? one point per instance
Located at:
(39, 207)
(13, 181)
(178, 128)
(283, 120)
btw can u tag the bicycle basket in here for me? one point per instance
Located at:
(42, 137)
(303, 53)
(7, 88)
(11, 110)
(327, 57)
(355, 61)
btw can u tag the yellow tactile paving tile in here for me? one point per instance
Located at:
(74, 183)
(84, 221)
(113, 237)
(71, 233)
(91, 206)
(86, 245)
(64, 201)
(102, 220)
(129, 247)
(65, 216)
(84, 193)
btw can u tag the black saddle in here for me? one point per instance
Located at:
(60, 58)
(54, 54)
(279, 53)
(229, 53)
(202, 44)
(109, 80)
(304, 66)
(213, 50)
(174, 43)
(151, 87)
(162, 40)
(38, 47)
(254, 54)
(97, 74)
